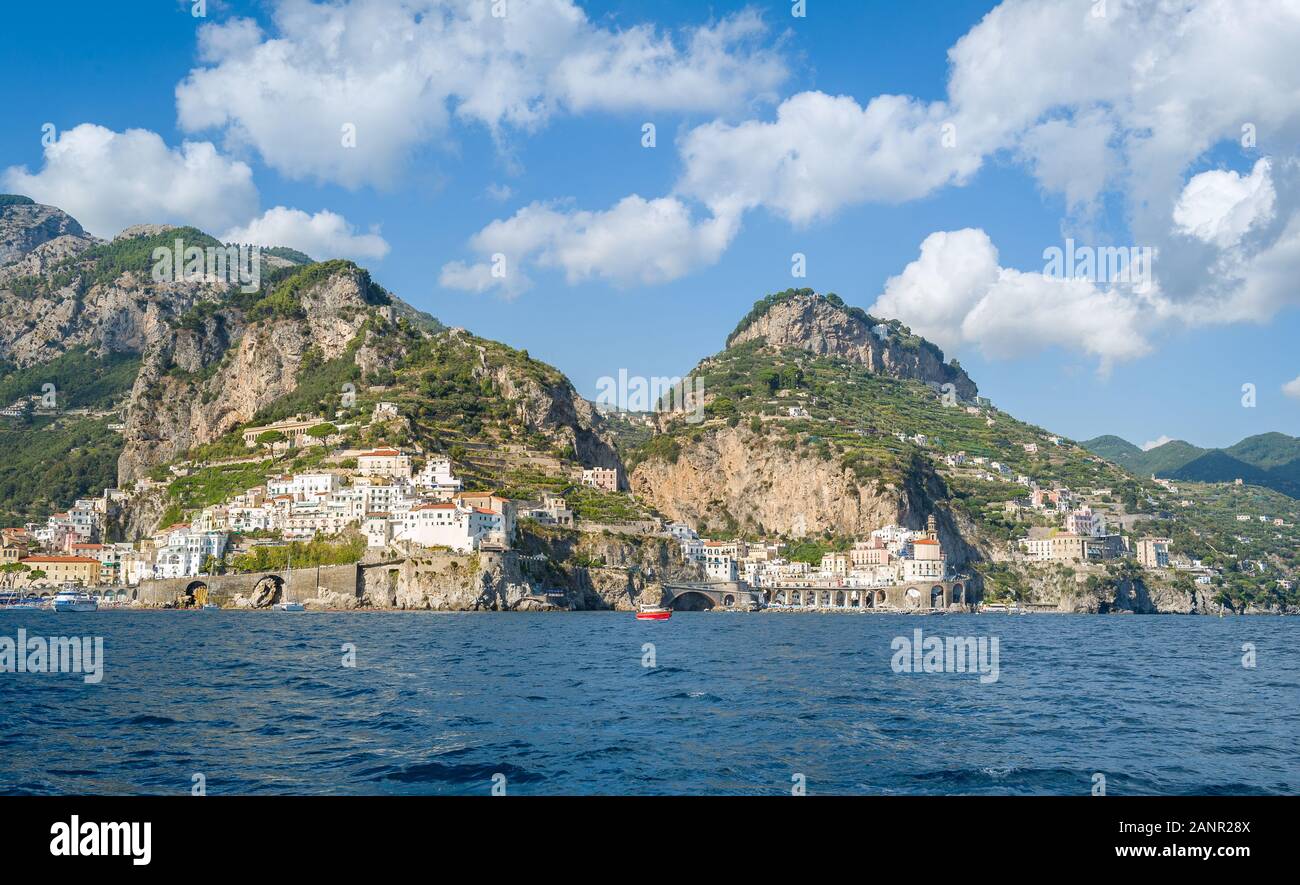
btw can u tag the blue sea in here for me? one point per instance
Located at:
(759, 704)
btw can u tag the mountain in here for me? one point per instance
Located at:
(818, 423)
(153, 373)
(810, 430)
(1271, 460)
(1268, 451)
(1117, 450)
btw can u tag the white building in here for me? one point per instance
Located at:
(719, 566)
(436, 476)
(182, 552)
(446, 524)
(304, 486)
(928, 562)
(681, 532)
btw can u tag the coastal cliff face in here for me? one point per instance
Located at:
(618, 573)
(556, 411)
(734, 479)
(820, 326)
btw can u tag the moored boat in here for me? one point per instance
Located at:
(69, 600)
(653, 613)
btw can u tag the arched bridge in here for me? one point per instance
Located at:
(703, 597)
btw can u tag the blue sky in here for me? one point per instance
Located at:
(1082, 362)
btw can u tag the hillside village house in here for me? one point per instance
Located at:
(497, 504)
(1153, 552)
(180, 552)
(452, 524)
(553, 510)
(385, 462)
(1071, 547)
(604, 478)
(436, 477)
(304, 486)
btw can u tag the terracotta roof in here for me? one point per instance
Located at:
(68, 559)
(382, 453)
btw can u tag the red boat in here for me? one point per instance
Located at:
(654, 613)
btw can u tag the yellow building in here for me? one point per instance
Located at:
(61, 570)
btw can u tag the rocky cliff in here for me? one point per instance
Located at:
(823, 325)
(550, 569)
(735, 479)
(26, 225)
(197, 384)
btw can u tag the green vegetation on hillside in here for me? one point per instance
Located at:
(81, 381)
(104, 263)
(49, 464)
(1271, 460)
(303, 554)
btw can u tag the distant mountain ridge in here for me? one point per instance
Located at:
(1271, 460)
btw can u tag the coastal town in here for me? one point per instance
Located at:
(391, 502)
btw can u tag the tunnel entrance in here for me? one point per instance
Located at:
(692, 601)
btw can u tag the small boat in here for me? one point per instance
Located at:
(654, 613)
(211, 607)
(285, 605)
(75, 601)
(13, 599)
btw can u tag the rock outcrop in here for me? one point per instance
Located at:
(816, 324)
(734, 479)
(198, 384)
(25, 225)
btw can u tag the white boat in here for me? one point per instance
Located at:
(211, 607)
(285, 605)
(75, 601)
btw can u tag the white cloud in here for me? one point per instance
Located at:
(823, 153)
(1072, 157)
(1156, 443)
(1109, 110)
(957, 295)
(1292, 388)
(110, 180)
(1221, 207)
(399, 70)
(1123, 103)
(635, 242)
(323, 235)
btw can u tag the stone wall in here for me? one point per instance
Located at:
(299, 585)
